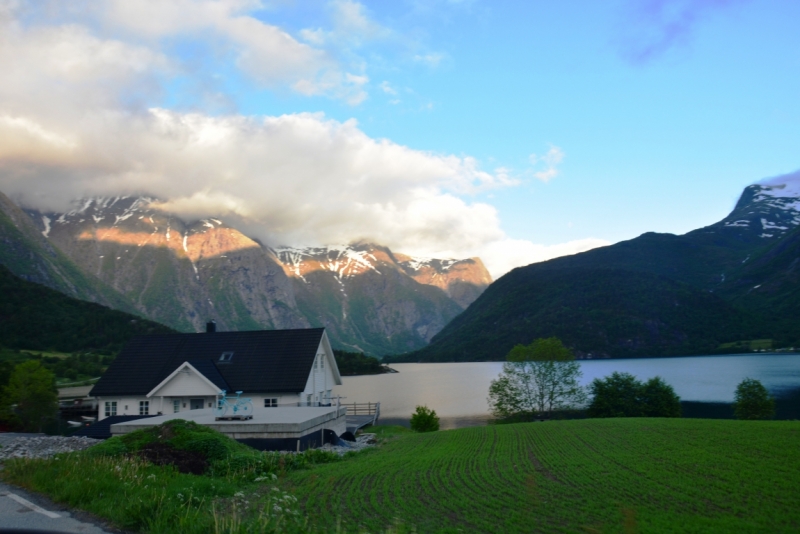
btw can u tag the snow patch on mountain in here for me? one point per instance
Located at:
(738, 223)
(418, 263)
(345, 261)
(46, 223)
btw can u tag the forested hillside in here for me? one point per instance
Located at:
(36, 317)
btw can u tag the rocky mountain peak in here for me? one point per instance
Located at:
(461, 279)
(769, 210)
(184, 272)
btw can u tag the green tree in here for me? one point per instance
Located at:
(659, 399)
(753, 401)
(537, 379)
(617, 395)
(622, 395)
(424, 420)
(30, 398)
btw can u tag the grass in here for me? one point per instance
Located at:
(600, 475)
(237, 493)
(749, 344)
(594, 475)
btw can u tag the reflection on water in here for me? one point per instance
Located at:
(458, 391)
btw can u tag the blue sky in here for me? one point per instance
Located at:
(530, 129)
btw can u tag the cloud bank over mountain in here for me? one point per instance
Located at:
(76, 120)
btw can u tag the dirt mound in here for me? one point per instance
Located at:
(191, 462)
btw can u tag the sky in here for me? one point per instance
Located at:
(513, 131)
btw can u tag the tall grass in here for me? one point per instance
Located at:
(136, 495)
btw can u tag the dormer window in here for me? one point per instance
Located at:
(226, 357)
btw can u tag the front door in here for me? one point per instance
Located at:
(196, 404)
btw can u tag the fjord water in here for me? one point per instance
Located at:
(458, 391)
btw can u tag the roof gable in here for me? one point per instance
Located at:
(186, 381)
(264, 361)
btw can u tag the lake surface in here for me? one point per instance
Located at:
(458, 391)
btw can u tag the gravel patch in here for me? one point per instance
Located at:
(43, 446)
(363, 441)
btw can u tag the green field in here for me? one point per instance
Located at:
(600, 475)
(590, 475)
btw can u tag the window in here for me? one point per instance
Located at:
(144, 407)
(111, 408)
(176, 405)
(308, 399)
(270, 403)
(226, 356)
(322, 361)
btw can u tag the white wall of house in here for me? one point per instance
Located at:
(130, 405)
(319, 387)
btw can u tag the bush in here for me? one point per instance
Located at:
(622, 395)
(659, 399)
(424, 420)
(30, 398)
(753, 401)
(615, 396)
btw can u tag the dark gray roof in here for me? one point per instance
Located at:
(263, 361)
(210, 371)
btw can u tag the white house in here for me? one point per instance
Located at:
(171, 373)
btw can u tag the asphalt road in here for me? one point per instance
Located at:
(21, 511)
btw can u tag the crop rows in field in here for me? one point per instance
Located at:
(591, 475)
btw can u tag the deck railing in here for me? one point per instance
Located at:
(363, 408)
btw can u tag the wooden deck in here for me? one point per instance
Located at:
(360, 415)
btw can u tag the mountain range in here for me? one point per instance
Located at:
(713, 289)
(123, 253)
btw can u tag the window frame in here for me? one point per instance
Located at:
(144, 407)
(110, 408)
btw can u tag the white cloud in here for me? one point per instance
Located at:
(74, 122)
(430, 59)
(548, 163)
(351, 19)
(505, 254)
(387, 88)
(264, 52)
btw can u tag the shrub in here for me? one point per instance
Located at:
(753, 401)
(622, 395)
(659, 399)
(424, 420)
(615, 396)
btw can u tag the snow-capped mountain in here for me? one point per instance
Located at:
(183, 273)
(712, 290)
(770, 210)
(462, 280)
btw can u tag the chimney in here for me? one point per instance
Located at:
(211, 327)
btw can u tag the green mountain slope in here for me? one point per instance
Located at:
(598, 312)
(36, 317)
(769, 285)
(29, 255)
(655, 295)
